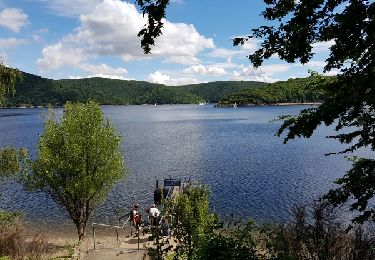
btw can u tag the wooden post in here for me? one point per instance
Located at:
(138, 240)
(131, 230)
(93, 234)
(118, 245)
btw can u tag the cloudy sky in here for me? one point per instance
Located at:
(85, 38)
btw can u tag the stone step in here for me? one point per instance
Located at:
(116, 253)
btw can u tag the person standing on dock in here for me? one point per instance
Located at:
(134, 217)
(153, 214)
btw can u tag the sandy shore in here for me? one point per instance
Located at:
(62, 244)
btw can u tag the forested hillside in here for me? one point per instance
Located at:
(214, 91)
(37, 91)
(34, 90)
(301, 90)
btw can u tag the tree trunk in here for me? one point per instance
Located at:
(80, 229)
(81, 232)
(81, 223)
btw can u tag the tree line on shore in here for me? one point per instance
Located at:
(300, 90)
(34, 90)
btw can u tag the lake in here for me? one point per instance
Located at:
(234, 151)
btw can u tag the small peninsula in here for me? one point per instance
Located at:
(291, 92)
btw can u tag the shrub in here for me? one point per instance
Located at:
(13, 244)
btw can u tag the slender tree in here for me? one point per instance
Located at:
(9, 164)
(11, 159)
(78, 161)
(8, 79)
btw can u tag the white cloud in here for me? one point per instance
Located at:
(223, 53)
(111, 30)
(205, 70)
(71, 8)
(99, 75)
(10, 42)
(37, 35)
(108, 76)
(181, 40)
(13, 19)
(244, 50)
(179, 2)
(250, 45)
(251, 74)
(315, 64)
(186, 60)
(332, 73)
(103, 69)
(270, 72)
(43, 30)
(76, 77)
(57, 55)
(160, 78)
(272, 69)
(231, 71)
(322, 46)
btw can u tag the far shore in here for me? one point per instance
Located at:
(296, 104)
(215, 104)
(271, 104)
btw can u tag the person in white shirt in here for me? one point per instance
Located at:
(153, 214)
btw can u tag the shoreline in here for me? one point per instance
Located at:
(214, 104)
(269, 105)
(297, 104)
(61, 243)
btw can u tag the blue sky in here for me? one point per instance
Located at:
(86, 38)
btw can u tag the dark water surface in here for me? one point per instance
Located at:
(234, 151)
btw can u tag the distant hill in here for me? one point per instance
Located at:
(302, 90)
(37, 91)
(214, 91)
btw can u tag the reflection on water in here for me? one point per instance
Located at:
(234, 151)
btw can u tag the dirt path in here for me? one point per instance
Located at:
(64, 244)
(122, 253)
(127, 249)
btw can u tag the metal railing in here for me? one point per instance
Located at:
(111, 226)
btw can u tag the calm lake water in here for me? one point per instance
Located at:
(234, 151)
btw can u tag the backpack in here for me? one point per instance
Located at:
(136, 220)
(134, 217)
